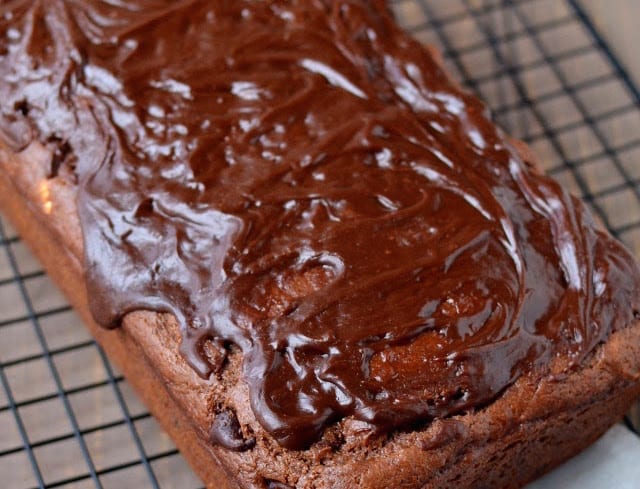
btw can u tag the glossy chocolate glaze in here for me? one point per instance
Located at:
(302, 180)
(225, 431)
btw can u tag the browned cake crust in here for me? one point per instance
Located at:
(533, 426)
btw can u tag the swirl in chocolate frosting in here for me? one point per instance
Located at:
(302, 179)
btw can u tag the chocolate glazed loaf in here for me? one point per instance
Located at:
(328, 267)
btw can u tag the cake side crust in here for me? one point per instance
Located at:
(63, 266)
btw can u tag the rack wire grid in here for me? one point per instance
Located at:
(69, 419)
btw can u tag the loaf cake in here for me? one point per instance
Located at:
(312, 253)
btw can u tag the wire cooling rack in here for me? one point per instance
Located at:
(68, 418)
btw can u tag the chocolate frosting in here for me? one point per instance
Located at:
(302, 180)
(225, 431)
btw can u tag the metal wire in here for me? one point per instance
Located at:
(508, 41)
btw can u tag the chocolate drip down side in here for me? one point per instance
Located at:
(303, 180)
